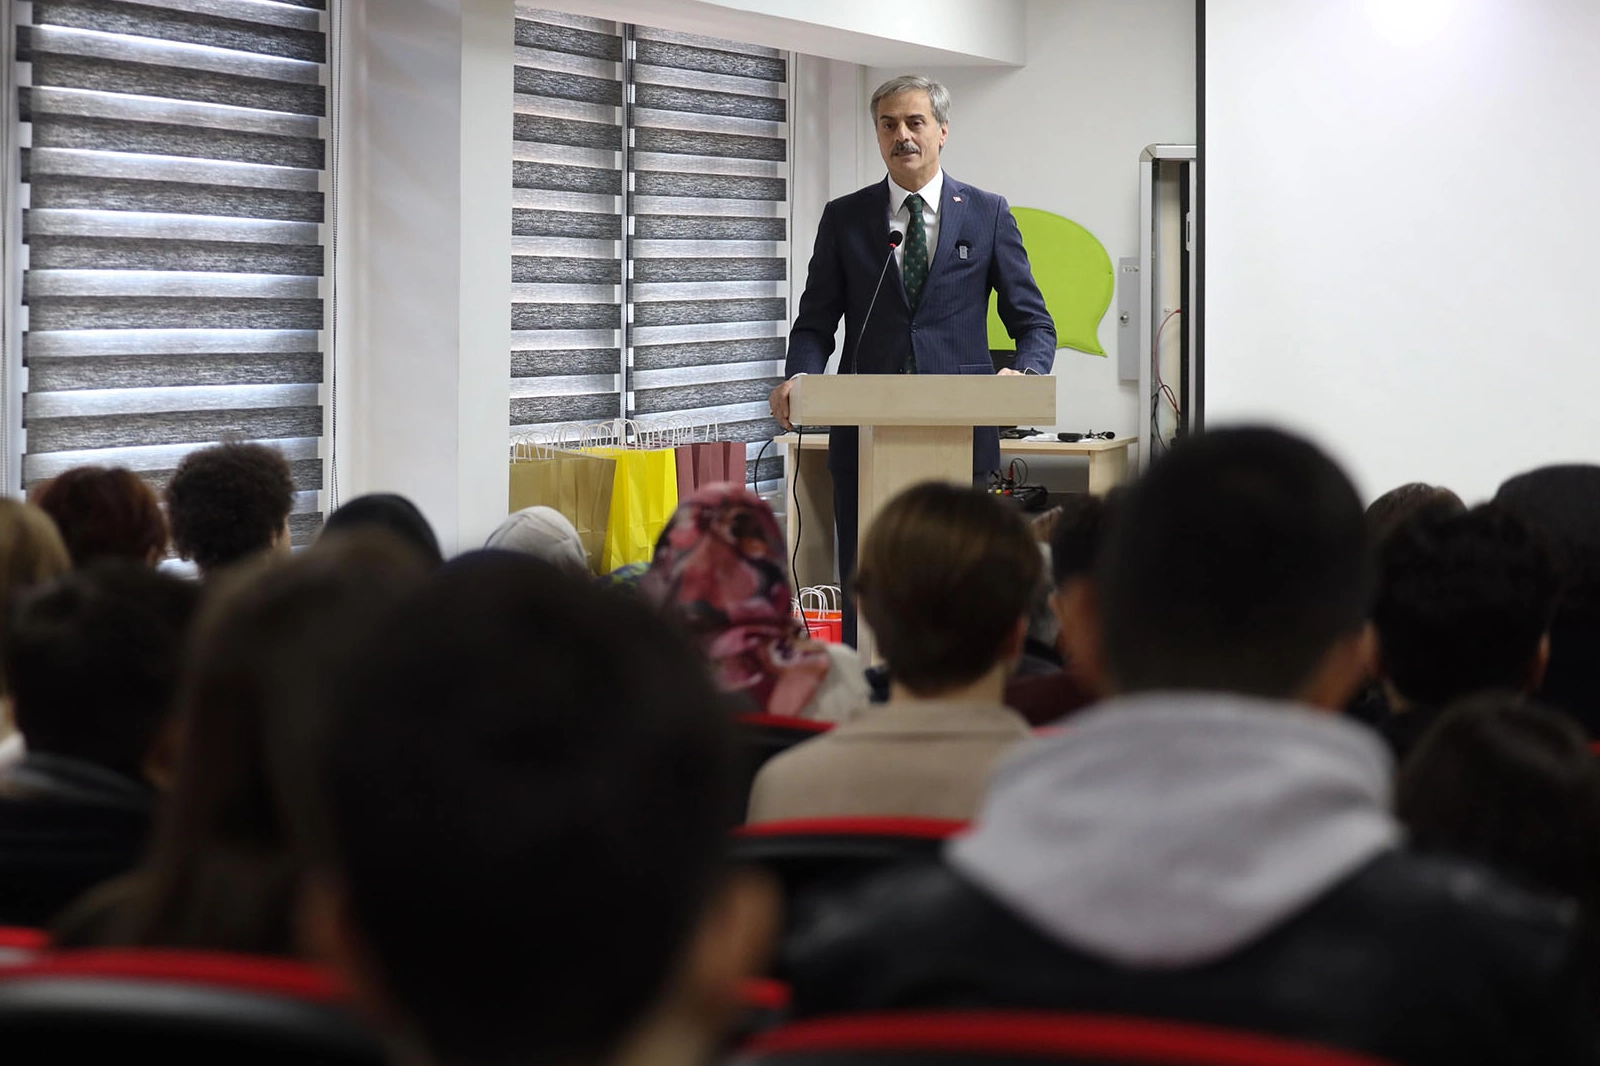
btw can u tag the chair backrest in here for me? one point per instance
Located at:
(817, 854)
(179, 1007)
(19, 944)
(969, 1038)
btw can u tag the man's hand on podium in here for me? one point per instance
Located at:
(779, 402)
(1008, 370)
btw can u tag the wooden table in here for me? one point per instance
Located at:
(810, 518)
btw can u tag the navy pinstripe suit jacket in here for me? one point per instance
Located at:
(949, 332)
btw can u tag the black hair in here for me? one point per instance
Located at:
(1079, 530)
(228, 502)
(1235, 564)
(1463, 602)
(93, 661)
(388, 511)
(529, 792)
(1401, 504)
(225, 869)
(1561, 505)
(1512, 784)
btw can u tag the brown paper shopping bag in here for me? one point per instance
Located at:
(708, 463)
(577, 484)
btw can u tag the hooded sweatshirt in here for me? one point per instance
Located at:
(1168, 830)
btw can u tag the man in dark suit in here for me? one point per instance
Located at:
(931, 315)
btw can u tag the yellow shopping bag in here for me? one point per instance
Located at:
(643, 499)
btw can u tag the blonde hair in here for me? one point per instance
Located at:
(31, 553)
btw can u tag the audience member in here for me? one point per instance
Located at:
(92, 661)
(223, 872)
(544, 533)
(1464, 604)
(1385, 515)
(1513, 785)
(1074, 539)
(105, 513)
(391, 513)
(1213, 845)
(31, 553)
(1400, 505)
(1561, 504)
(719, 571)
(529, 790)
(229, 502)
(944, 579)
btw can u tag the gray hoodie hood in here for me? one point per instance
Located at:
(1170, 829)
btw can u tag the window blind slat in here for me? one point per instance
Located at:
(698, 269)
(174, 234)
(567, 223)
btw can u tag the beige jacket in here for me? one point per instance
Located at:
(929, 760)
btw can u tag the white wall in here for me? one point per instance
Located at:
(854, 31)
(1400, 241)
(424, 259)
(1104, 78)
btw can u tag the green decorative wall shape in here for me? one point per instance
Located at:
(1075, 274)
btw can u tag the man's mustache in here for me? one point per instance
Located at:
(907, 148)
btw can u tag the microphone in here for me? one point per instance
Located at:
(895, 237)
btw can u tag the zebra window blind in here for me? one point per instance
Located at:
(683, 174)
(567, 235)
(173, 161)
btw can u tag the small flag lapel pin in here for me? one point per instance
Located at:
(957, 199)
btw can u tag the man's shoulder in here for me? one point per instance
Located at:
(1437, 899)
(864, 197)
(1402, 917)
(790, 775)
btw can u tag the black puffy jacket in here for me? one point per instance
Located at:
(1420, 961)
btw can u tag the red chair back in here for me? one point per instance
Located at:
(19, 944)
(968, 1038)
(179, 1007)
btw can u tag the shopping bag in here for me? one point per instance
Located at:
(684, 457)
(819, 607)
(577, 484)
(709, 463)
(644, 496)
(719, 461)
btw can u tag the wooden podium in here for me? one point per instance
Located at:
(916, 427)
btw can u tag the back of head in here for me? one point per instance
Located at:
(1401, 504)
(389, 512)
(228, 502)
(1463, 604)
(528, 793)
(1078, 533)
(255, 712)
(1561, 504)
(31, 553)
(105, 513)
(720, 563)
(1511, 784)
(1234, 565)
(945, 575)
(544, 533)
(93, 660)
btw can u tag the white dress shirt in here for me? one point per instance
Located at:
(900, 218)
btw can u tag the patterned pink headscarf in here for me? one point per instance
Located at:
(719, 569)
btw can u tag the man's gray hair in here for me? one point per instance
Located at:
(938, 95)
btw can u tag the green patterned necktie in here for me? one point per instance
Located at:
(915, 268)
